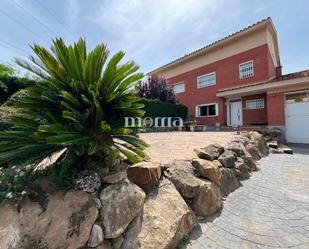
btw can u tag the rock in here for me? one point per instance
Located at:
(117, 242)
(204, 197)
(60, 220)
(208, 169)
(145, 175)
(249, 161)
(96, 236)
(228, 181)
(242, 171)
(166, 219)
(237, 147)
(276, 151)
(259, 142)
(115, 177)
(98, 203)
(208, 200)
(203, 154)
(227, 159)
(105, 245)
(121, 203)
(254, 152)
(88, 181)
(286, 149)
(132, 232)
(273, 144)
(181, 173)
(213, 151)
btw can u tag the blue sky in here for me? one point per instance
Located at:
(152, 32)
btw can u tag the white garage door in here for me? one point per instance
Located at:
(297, 118)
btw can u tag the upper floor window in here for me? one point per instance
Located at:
(246, 70)
(207, 110)
(206, 80)
(255, 104)
(179, 87)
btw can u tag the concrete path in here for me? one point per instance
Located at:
(270, 210)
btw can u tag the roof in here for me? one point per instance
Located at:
(250, 27)
(289, 76)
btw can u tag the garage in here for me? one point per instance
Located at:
(297, 117)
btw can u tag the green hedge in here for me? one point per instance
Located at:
(156, 108)
(10, 84)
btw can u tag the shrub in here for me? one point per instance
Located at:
(155, 108)
(156, 88)
(10, 85)
(79, 104)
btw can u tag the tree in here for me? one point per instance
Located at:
(77, 108)
(6, 70)
(156, 88)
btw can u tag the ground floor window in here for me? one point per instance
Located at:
(255, 104)
(207, 110)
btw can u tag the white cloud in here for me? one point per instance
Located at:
(147, 29)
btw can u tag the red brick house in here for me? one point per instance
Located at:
(238, 81)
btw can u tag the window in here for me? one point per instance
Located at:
(255, 104)
(179, 87)
(208, 110)
(206, 80)
(246, 70)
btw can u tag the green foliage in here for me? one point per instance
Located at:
(9, 85)
(184, 242)
(6, 70)
(156, 108)
(15, 181)
(79, 104)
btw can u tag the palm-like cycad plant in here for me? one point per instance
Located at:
(78, 104)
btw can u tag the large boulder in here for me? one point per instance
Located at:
(228, 181)
(166, 218)
(238, 147)
(58, 220)
(145, 175)
(203, 196)
(181, 173)
(227, 159)
(213, 151)
(208, 200)
(257, 140)
(241, 170)
(208, 169)
(203, 154)
(254, 152)
(121, 203)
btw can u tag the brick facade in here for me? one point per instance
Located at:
(227, 75)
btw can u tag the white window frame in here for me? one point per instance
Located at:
(208, 74)
(180, 83)
(240, 72)
(197, 112)
(255, 101)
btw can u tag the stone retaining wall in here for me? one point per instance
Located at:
(153, 208)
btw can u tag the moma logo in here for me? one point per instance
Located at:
(153, 122)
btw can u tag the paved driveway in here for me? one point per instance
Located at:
(270, 210)
(168, 146)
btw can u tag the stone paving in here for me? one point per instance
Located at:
(270, 210)
(168, 146)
